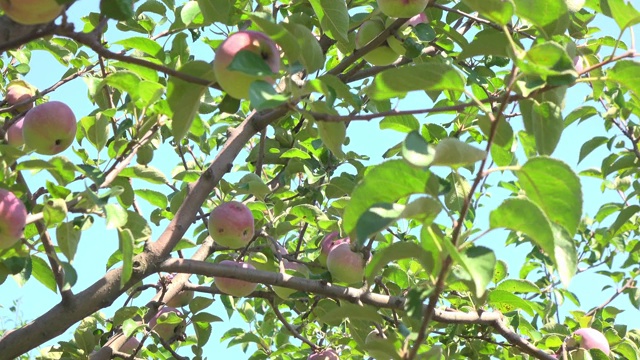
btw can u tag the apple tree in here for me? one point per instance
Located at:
(464, 241)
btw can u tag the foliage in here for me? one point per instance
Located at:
(434, 218)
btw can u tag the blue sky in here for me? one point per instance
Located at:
(98, 243)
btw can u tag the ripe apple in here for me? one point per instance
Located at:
(13, 217)
(383, 54)
(237, 83)
(17, 92)
(588, 338)
(166, 330)
(402, 8)
(294, 269)
(49, 128)
(233, 287)
(31, 12)
(345, 265)
(328, 354)
(329, 242)
(231, 224)
(14, 133)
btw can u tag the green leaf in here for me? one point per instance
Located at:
(199, 303)
(591, 145)
(311, 55)
(350, 311)
(184, 97)
(428, 76)
(396, 177)
(487, 42)
(155, 198)
(402, 123)
(147, 173)
(622, 12)
(627, 74)
(144, 45)
(547, 126)
(70, 276)
(504, 132)
(334, 18)
(505, 302)
(416, 150)
(480, 262)
(117, 9)
(454, 153)
(263, 96)
(126, 249)
(378, 217)
(555, 188)
(550, 16)
(42, 272)
(116, 216)
(518, 285)
(498, 11)
(398, 251)
(501, 271)
(251, 63)
(333, 134)
(278, 33)
(54, 212)
(216, 10)
(68, 237)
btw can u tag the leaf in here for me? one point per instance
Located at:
(116, 216)
(184, 97)
(216, 10)
(504, 132)
(155, 198)
(454, 153)
(505, 302)
(144, 45)
(498, 11)
(263, 96)
(126, 249)
(518, 285)
(117, 9)
(627, 74)
(398, 251)
(591, 145)
(487, 42)
(555, 188)
(334, 18)
(147, 173)
(396, 177)
(310, 55)
(479, 261)
(416, 150)
(350, 311)
(378, 217)
(547, 126)
(68, 237)
(402, 123)
(550, 16)
(622, 12)
(55, 211)
(428, 76)
(333, 134)
(42, 272)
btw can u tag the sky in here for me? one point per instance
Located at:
(98, 243)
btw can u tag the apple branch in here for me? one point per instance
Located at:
(493, 319)
(290, 327)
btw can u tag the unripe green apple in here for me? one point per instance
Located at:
(14, 133)
(383, 54)
(13, 217)
(237, 83)
(329, 242)
(231, 224)
(588, 338)
(294, 269)
(402, 8)
(166, 330)
(183, 298)
(49, 128)
(328, 354)
(144, 154)
(234, 287)
(345, 265)
(31, 12)
(17, 92)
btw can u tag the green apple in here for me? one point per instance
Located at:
(294, 269)
(49, 128)
(234, 287)
(167, 329)
(144, 154)
(183, 298)
(31, 12)
(345, 265)
(231, 224)
(402, 8)
(237, 83)
(396, 41)
(383, 54)
(13, 217)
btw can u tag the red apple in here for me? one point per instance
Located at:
(588, 338)
(383, 54)
(329, 242)
(328, 354)
(345, 265)
(233, 287)
(231, 224)
(49, 128)
(17, 92)
(31, 12)
(402, 8)
(237, 83)
(166, 330)
(13, 217)
(14, 133)
(294, 269)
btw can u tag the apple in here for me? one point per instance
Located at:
(231, 224)
(144, 155)
(13, 217)
(130, 346)
(328, 354)
(345, 265)
(166, 330)
(49, 128)
(183, 298)
(383, 54)
(329, 242)
(17, 92)
(402, 8)
(578, 63)
(31, 12)
(14, 133)
(294, 269)
(233, 287)
(237, 83)
(588, 338)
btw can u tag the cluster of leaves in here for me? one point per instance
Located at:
(416, 215)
